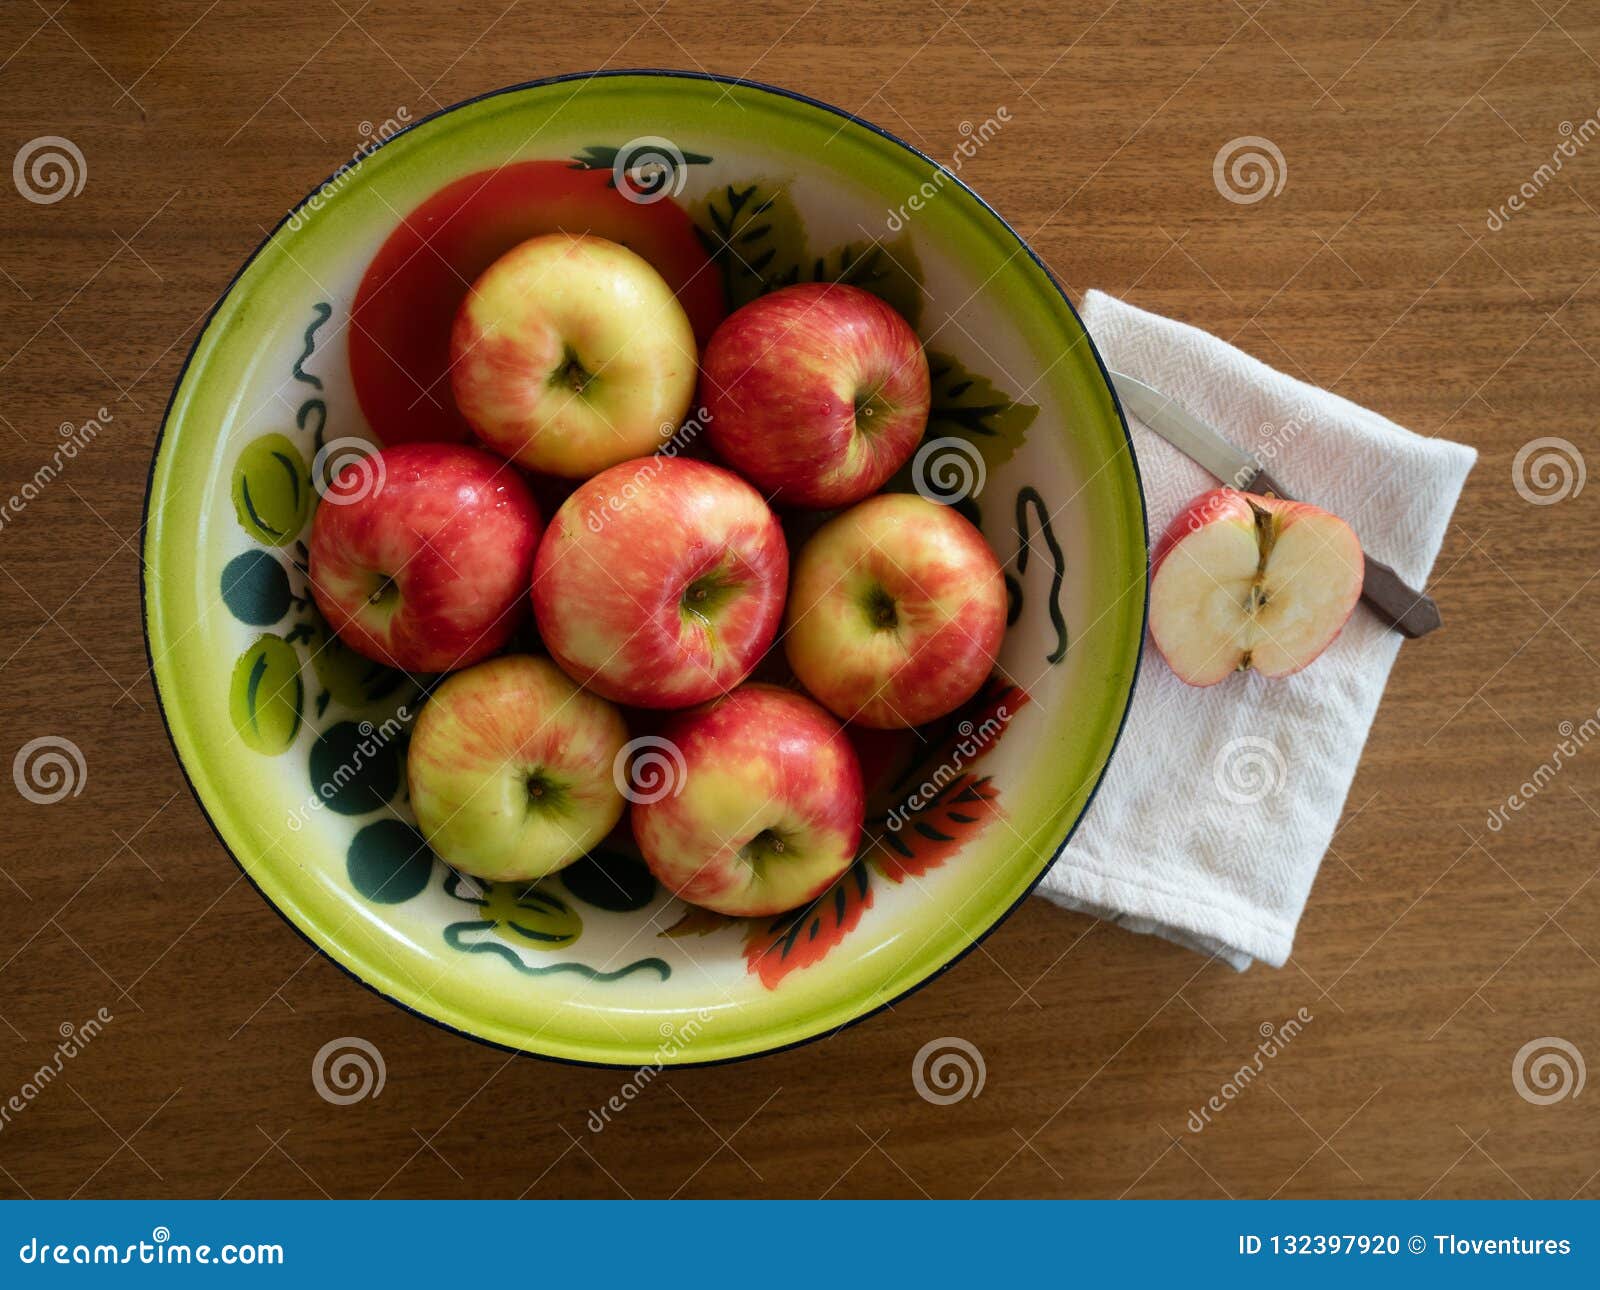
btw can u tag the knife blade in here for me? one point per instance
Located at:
(1411, 612)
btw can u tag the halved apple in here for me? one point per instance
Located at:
(1243, 582)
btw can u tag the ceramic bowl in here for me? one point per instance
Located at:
(295, 747)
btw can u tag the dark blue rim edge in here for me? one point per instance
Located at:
(183, 371)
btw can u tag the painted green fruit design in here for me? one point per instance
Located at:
(255, 588)
(518, 913)
(272, 490)
(389, 862)
(266, 695)
(528, 916)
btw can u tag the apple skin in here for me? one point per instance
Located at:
(1207, 568)
(817, 393)
(510, 769)
(768, 810)
(660, 582)
(444, 540)
(570, 354)
(896, 612)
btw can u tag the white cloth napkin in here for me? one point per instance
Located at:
(1220, 802)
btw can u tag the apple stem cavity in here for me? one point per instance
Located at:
(764, 846)
(706, 594)
(880, 609)
(544, 794)
(572, 373)
(867, 406)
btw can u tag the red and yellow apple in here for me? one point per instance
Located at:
(660, 582)
(896, 612)
(817, 393)
(510, 768)
(570, 354)
(420, 555)
(768, 810)
(1244, 582)
(408, 298)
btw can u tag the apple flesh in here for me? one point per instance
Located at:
(1244, 582)
(661, 582)
(570, 354)
(511, 769)
(420, 555)
(817, 393)
(767, 812)
(896, 612)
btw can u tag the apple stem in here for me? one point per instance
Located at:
(866, 407)
(880, 609)
(1266, 538)
(572, 373)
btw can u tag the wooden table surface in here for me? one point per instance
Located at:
(1432, 949)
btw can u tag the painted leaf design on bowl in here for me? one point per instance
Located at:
(967, 403)
(773, 948)
(754, 235)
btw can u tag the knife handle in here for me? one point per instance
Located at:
(1410, 612)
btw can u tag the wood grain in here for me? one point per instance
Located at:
(1433, 948)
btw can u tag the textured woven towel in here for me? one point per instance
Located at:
(1221, 802)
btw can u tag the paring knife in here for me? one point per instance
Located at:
(1410, 612)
